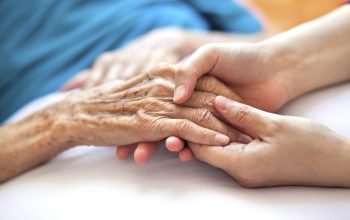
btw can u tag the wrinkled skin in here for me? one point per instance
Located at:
(141, 109)
(251, 71)
(114, 114)
(137, 57)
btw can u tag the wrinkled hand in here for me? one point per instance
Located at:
(255, 72)
(285, 150)
(164, 45)
(141, 109)
(252, 71)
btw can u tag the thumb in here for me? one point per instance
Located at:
(199, 63)
(223, 157)
(251, 120)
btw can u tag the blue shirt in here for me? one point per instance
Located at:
(43, 43)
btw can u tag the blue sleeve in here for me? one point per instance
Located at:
(227, 15)
(43, 43)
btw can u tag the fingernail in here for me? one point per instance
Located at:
(245, 139)
(222, 102)
(222, 139)
(179, 92)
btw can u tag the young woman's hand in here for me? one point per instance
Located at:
(252, 71)
(284, 150)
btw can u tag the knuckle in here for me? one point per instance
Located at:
(207, 82)
(242, 113)
(160, 88)
(209, 101)
(203, 116)
(163, 69)
(181, 126)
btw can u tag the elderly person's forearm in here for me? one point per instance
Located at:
(32, 141)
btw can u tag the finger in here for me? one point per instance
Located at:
(174, 144)
(206, 119)
(130, 70)
(164, 70)
(144, 152)
(186, 155)
(190, 131)
(77, 82)
(212, 85)
(158, 57)
(251, 120)
(141, 56)
(113, 73)
(201, 100)
(124, 152)
(212, 155)
(198, 64)
(99, 69)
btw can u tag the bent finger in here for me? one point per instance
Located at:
(253, 121)
(174, 144)
(124, 152)
(145, 151)
(199, 63)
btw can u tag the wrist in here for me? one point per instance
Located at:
(63, 128)
(288, 66)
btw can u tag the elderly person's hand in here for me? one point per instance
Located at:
(268, 74)
(169, 45)
(252, 72)
(161, 45)
(285, 150)
(141, 109)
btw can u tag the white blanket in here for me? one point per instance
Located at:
(90, 183)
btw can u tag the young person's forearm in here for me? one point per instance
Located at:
(30, 142)
(317, 53)
(199, 39)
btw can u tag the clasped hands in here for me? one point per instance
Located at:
(265, 149)
(228, 126)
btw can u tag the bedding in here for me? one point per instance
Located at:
(90, 183)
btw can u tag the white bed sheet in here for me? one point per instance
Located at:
(90, 183)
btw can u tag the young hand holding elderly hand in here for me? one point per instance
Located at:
(284, 150)
(140, 109)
